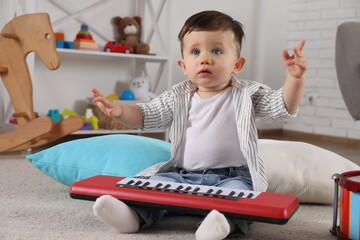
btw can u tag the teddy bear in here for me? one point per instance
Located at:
(140, 86)
(129, 29)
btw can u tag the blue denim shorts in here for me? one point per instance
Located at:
(232, 177)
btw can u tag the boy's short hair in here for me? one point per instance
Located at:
(212, 21)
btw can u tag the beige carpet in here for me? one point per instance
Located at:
(33, 206)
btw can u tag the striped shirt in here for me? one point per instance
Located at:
(252, 100)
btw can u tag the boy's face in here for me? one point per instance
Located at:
(210, 58)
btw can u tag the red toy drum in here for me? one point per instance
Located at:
(349, 183)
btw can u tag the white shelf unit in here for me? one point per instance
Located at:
(148, 58)
(139, 59)
(81, 70)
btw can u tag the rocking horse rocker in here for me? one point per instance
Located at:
(25, 34)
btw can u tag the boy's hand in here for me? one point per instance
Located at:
(297, 63)
(105, 105)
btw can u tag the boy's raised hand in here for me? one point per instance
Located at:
(105, 105)
(296, 64)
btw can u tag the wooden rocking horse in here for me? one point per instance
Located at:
(25, 34)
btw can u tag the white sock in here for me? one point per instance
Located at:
(214, 227)
(116, 214)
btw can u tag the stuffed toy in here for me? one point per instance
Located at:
(140, 86)
(129, 29)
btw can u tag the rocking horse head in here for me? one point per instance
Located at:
(34, 33)
(22, 35)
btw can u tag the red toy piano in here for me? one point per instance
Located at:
(193, 199)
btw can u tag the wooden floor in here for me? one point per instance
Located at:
(348, 149)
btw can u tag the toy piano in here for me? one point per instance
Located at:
(192, 199)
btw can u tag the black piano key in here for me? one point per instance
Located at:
(166, 187)
(217, 193)
(231, 195)
(146, 184)
(209, 192)
(195, 190)
(157, 187)
(250, 195)
(179, 188)
(130, 182)
(187, 189)
(241, 194)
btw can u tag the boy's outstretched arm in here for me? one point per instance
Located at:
(130, 115)
(293, 88)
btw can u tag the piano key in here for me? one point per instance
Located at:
(146, 184)
(188, 188)
(152, 184)
(208, 192)
(158, 185)
(250, 195)
(195, 191)
(218, 192)
(130, 182)
(232, 193)
(202, 190)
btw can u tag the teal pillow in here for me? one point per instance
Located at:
(115, 155)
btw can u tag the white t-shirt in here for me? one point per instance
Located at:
(211, 139)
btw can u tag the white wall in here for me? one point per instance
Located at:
(316, 21)
(270, 26)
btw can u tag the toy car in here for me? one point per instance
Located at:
(119, 48)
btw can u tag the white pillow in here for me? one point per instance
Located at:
(302, 169)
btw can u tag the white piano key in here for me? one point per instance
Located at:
(188, 188)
